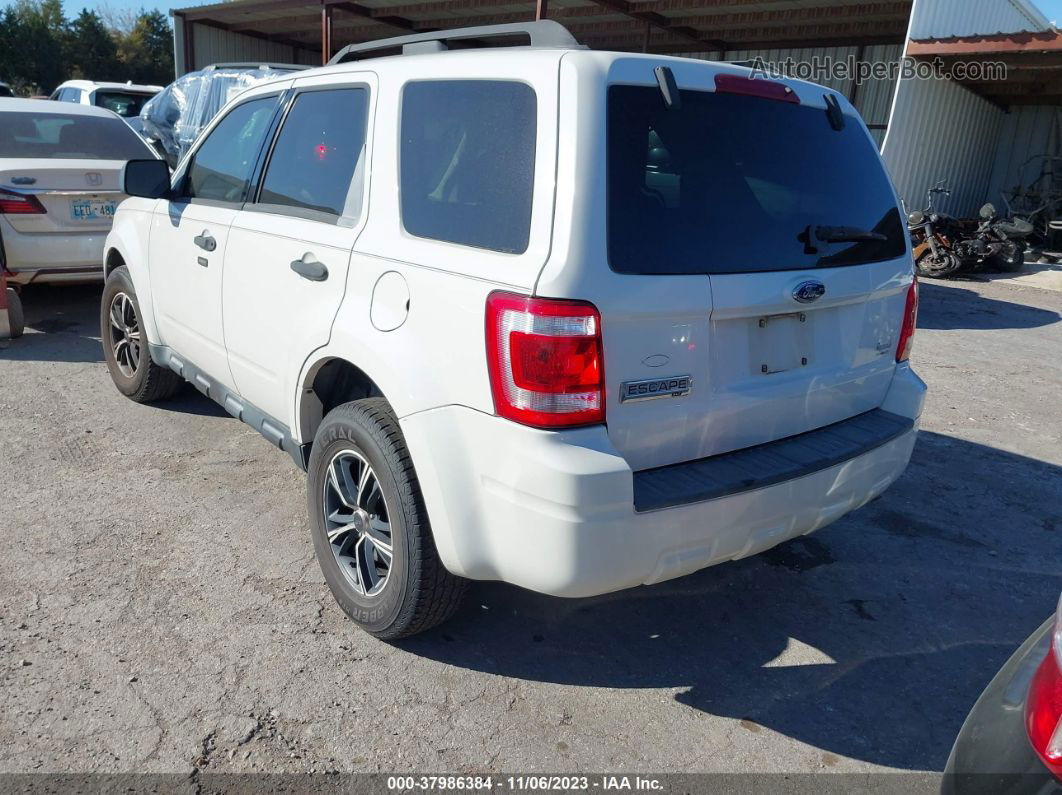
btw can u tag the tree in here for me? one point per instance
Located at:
(32, 45)
(147, 50)
(92, 52)
(39, 48)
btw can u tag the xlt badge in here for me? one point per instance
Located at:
(652, 388)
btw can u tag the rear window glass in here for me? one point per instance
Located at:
(468, 162)
(124, 103)
(59, 137)
(733, 184)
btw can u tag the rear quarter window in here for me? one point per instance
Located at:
(467, 162)
(731, 184)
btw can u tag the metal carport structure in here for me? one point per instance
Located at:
(303, 30)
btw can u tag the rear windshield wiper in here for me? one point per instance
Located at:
(846, 234)
(836, 234)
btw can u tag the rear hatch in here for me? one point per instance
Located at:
(66, 164)
(759, 266)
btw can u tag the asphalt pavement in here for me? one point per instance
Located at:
(161, 609)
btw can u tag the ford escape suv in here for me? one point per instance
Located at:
(573, 320)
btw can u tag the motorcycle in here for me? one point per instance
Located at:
(998, 243)
(944, 246)
(933, 237)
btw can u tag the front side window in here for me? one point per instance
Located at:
(221, 167)
(468, 162)
(730, 184)
(318, 160)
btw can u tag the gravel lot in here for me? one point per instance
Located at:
(161, 609)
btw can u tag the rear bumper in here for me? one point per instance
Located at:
(555, 512)
(53, 256)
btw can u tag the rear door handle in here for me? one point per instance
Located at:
(205, 241)
(309, 268)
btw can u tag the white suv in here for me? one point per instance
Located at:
(573, 320)
(125, 99)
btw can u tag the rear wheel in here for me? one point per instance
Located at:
(1011, 257)
(125, 347)
(370, 528)
(15, 319)
(938, 266)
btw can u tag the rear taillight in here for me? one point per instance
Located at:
(12, 203)
(1043, 707)
(910, 323)
(545, 361)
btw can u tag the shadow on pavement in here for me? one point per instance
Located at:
(871, 639)
(957, 308)
(62, 325)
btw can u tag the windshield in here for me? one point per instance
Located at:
(732, 184)
(61, 137)
(124, 103)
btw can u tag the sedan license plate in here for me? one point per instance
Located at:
(92, 209)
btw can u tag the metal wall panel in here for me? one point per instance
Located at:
(939, 130)
(1026, 133)
(217, 46)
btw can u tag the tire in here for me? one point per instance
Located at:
(15, 318)
(130, 365)
(947, 265)
(389, 598)
(1011, 259)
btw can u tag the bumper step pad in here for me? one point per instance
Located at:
(766, 464)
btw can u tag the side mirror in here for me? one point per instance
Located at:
(149, 179)
(988, 212)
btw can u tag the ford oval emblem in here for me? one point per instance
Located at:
(809, 292)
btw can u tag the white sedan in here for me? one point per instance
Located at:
(60, 166)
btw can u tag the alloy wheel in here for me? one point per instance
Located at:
(357, 522)
(125, 334)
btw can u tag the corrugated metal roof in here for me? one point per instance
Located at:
(1033, 62)
(971, 17)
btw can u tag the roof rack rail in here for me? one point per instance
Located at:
(544, 33)
(254, 65)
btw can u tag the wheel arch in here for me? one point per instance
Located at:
(127, 244)
(112, 259)
(326, 383)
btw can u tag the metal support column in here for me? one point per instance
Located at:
(326, 32)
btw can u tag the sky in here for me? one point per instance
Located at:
(1051, 8)
(73, 7)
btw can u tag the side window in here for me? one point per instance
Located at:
(221, 167)
(467, 164)
(318, 160)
